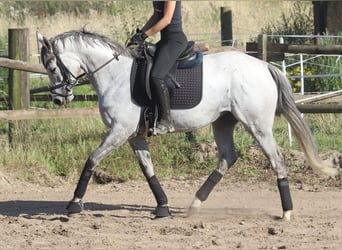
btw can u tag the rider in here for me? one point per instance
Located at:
(167, 20)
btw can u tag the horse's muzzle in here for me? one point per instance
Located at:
(60, 100)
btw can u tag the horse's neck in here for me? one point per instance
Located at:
(109, 74)
(95, 59)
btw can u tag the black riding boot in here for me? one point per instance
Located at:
(162, 98)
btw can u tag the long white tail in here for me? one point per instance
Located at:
(287, 107)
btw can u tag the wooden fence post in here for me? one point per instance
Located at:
(226, 27)
(262, 47)
(18, 82)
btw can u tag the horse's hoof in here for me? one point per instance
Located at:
(192, 211)
(75, 207)
(162, 211)
(195, 207)
(329, 172)
(287, 215)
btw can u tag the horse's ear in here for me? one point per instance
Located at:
(44, 41)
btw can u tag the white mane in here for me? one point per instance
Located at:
(78, 37)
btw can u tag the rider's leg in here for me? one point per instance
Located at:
(162, 98)
(165, 58)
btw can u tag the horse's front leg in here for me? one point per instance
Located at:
(110, 142)
(141, 150)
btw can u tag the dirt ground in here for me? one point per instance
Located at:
(237, 215)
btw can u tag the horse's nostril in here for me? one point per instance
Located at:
(57, 102)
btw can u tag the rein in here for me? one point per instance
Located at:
(115, 57)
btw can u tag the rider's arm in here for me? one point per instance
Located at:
(151, 22)
(153, 25)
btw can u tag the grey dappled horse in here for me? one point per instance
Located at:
(236, 88)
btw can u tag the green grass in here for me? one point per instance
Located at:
(61, 147)
(327, 130)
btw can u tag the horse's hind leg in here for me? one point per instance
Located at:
(223, 129)
(141, 150)
(263, 134)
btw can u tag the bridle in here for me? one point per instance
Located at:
(70, 80)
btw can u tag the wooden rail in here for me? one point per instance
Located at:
(21, 65)
(38, 114)
(320, 108)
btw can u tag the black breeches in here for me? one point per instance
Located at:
(170, 47)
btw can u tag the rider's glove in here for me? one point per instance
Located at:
(138, 39)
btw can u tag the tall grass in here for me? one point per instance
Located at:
(20, 10)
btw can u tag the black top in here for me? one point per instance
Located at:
(177, 16)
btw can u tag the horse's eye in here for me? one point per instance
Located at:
(53, 70)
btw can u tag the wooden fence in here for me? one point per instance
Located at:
(276, 52)
(20, 95)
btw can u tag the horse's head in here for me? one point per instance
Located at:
(61, 79)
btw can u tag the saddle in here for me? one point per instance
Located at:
(188, 54)
(184, 81)
(144, 62)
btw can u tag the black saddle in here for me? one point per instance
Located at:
(184, 83)
(188, 54)
(185, 72)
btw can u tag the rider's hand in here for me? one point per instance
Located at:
(138, 39)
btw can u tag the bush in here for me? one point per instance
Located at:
(329, 65)
(316, 65)
(299, 21)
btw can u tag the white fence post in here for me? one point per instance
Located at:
(281, 41)
(301, 74)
